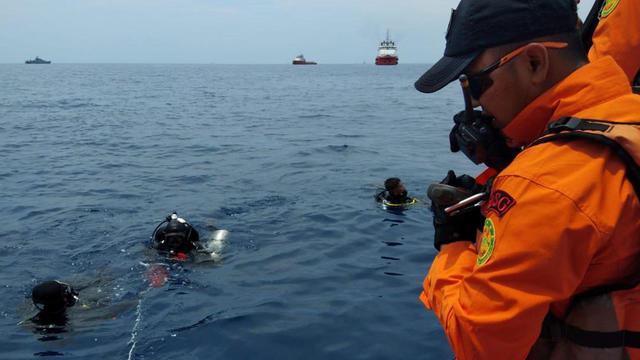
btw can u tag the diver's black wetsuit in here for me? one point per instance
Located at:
(185, 248)
(50, 319)
(52, 298)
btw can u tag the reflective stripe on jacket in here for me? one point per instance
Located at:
(565, 219)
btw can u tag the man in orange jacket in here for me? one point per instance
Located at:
(562, 218)
(618, 35)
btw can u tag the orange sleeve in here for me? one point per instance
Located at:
(618, 35)
(542, 247)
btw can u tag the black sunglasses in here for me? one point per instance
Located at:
(481, 81)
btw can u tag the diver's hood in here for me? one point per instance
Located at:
(178, 235)
(53, 296)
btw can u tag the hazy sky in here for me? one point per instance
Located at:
(225, 32)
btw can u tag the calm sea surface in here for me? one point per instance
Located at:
(287, 158)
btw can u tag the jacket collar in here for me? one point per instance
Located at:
(590, 85)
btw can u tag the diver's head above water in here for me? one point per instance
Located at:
(177, 236)
(396, 192)
(53, 297)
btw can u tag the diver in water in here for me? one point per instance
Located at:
(53, 298)
(394, 194)
(60, 309)
(179, 240)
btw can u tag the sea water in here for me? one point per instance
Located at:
(286, 158)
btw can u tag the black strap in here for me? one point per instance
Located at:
(599, 339)
(590, 24)
(555, 329)
(573, 123)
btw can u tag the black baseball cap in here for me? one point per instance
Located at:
(477, 25)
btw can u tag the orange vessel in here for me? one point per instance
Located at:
(300, 60)
(387, 52)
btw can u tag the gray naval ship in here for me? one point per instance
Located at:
(37, 60)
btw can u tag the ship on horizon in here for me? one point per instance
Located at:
(387, 52)
(300, 60)
(37, 60)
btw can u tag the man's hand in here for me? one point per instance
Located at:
(463, 225)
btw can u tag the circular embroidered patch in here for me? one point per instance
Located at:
(608, 7)
(487, 242)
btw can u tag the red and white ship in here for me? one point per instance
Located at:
(300, 60)
(387, 52)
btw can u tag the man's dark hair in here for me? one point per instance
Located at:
(391, 183)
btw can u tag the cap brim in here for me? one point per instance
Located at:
(443, 72)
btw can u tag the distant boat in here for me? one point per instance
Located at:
(300, 60)
(37, 60)
(387, 52)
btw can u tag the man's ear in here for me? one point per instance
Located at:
(537, 57)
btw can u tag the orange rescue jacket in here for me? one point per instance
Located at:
(597, 324)
(562, 219)
(618, 35)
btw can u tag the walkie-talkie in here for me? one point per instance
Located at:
(476, 138)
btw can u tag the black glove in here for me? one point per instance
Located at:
(464, 181)
(463, 225)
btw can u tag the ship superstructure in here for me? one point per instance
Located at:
(300, 60)
(37, 60)
(387, 52)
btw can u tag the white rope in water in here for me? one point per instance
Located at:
(136, 325)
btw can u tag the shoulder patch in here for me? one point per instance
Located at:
(608, 8)
(487, 242)
(500, 202)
